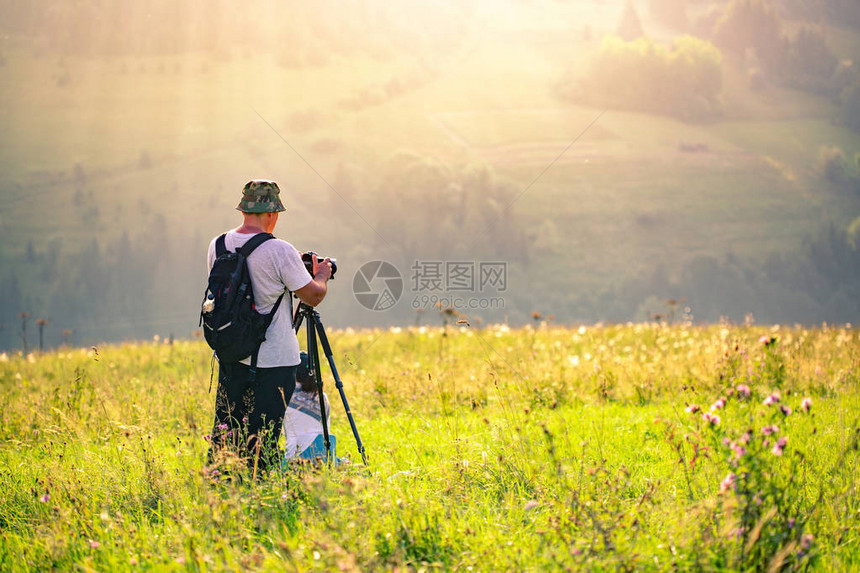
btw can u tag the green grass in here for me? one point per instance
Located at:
(795, 143)
(493, 449)
(620, 223)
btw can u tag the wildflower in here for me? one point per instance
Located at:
(772, 399)
(779, 446)
(743, 391)
(745, 438)
(728, 483)
(737, 533)
(222, 426)
(806, 541)
(712, 419)
(806, 405)
(720, 403)
(768, 430)
(739, 451)
(786, 411)
(207, 437)
(45, 498)
(791, 523)
(766, 340)
(94, 544)
(245, 420)
(692, 409)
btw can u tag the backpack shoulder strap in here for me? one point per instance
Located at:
(275, 308)
(254, 242)
(220, 245)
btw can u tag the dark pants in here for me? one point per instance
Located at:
(249, 416)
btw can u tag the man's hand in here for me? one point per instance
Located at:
(314, 292)
(322, 269)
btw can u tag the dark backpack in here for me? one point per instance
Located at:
(231, 324)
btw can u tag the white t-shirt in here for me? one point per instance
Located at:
(302, 421)
(275, 266)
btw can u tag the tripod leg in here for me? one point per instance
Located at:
(337, 382)
(314, 363)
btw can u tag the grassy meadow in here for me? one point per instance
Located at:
(621, 447)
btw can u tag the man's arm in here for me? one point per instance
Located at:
(314, 292)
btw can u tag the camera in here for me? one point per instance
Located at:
(307, 259)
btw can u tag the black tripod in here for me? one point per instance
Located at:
(306, 313)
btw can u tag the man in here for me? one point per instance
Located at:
(249, 411)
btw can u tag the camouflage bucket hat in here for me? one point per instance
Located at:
(260, 196)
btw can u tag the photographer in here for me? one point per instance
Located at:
(249, 407)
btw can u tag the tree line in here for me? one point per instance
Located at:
(126, 288)
(684, 79)
(135, 286)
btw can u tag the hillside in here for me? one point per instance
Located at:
(119, 166)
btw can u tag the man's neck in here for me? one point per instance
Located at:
(247, 229)
(258, 224)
